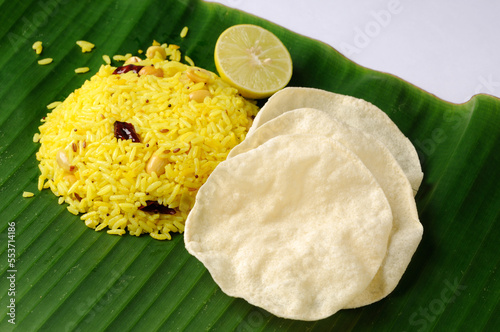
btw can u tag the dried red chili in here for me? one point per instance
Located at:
(125, 130)
(155, 207)
(127, 68)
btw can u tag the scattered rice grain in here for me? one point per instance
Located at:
(82, 70)
(184, 32)
(106, 59)
(54, 104)
(85, 45)
(36, 137)
(189, 60)
(37, 46)
(122, 57)
(45, 61)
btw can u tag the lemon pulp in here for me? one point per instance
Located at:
(253, 60)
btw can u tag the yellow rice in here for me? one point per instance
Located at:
(108, 183)
(119, 57)
(189, 60)
(82, 70)
(85, 45)
(184, 32)
(37, 46)
(106, 59)
(45, 61)
(53, 104)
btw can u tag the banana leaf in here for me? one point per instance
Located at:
(59, 275)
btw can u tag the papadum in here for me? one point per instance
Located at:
(353, 111)
(297, 226)
(406, 231)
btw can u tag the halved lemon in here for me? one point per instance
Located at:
(253, 60)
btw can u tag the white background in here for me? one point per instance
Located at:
(448, 48)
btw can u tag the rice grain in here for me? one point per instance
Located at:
(45, 61)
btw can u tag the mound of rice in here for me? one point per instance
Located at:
(107, 179)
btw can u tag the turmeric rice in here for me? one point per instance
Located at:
(130, 148)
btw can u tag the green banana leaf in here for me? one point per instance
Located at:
(67, 277)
